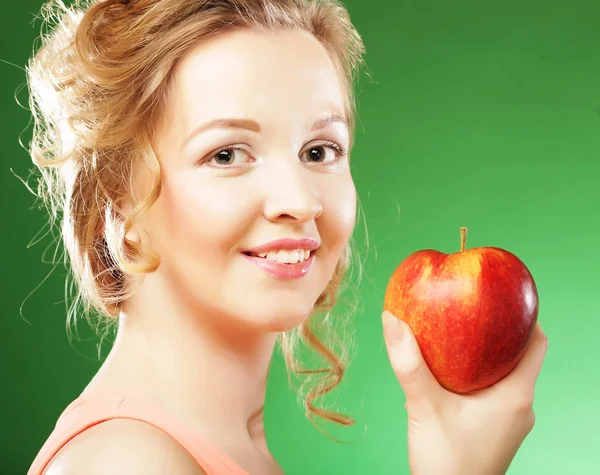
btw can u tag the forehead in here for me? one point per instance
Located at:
(268, 76)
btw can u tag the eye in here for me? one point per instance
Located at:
(326, 153)
(228, 156)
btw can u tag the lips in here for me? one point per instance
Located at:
(284, 270)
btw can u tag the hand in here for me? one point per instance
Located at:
(451, 434)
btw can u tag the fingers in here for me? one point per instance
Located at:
(531, 363)
(414, 376)
(529, 367)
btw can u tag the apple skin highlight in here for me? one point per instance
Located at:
(472, 312)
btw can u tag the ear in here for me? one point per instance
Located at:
(140, 186)
(124, 208)
(133, 235)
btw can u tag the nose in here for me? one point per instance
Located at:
(291, 194)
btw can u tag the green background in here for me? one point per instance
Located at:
(478, 114)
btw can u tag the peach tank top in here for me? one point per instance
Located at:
(87, 411)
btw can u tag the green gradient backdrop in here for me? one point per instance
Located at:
(483, 114)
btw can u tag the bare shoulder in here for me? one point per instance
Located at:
(123, 446)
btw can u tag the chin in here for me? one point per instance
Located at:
(278, 317)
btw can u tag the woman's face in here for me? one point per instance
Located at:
(251, 148)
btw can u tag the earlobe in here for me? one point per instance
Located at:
(133, 235)
(132, 232)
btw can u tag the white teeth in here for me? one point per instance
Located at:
(285, 256)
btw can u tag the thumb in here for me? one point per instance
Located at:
(414, 376)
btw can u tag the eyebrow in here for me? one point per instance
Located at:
(253, 126)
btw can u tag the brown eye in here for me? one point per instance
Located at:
(326, 153)
(227, 156)
(317, 154)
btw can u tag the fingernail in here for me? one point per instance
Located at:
(393, 329)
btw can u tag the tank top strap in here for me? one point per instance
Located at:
(88, 411)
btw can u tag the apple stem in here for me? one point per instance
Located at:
(463, 238)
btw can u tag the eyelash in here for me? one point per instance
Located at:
(340, 151)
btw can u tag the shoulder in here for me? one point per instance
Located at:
(122, 446)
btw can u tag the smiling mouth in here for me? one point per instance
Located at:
(283, 257)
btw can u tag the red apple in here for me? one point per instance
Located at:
(472, 312)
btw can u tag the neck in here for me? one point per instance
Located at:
(201, 366)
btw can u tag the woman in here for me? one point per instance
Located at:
(198, 151)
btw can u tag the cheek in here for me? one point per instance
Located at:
(339, 217)
(197, 217)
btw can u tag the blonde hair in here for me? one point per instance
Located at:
(97, 85)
